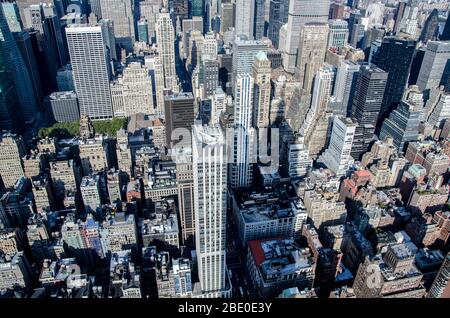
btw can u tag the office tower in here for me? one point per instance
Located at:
(433, 65)
(185, 185)
(261, 75)
(300, 13)
(132, 91)
(90, 192)
(337, 156)
(64, 78)
(337, 11)
(344, 88)
(441, 284)
(227, 17)
(445, 36)
(243, 141)
(179, 110)
(63, 106)
(409, 22)
(210, 45)
(210, 201)
(338, 35)
(42, 194)
(155, 68)
(258, 28)
(165, 39)
(278, 17)
(16, 272)
(441, 110)
(94, 154)
(210, 76)
(244, 52)
(12, 15)
(66, 176)
(430, 29)
(11, 152)
(356, 30)
(38, 74)
(197, 8)
(18, 71)
(91, 73)
(180, 9)
(10, 116)
(245, 15)
(403, 123)
(142, 26)
(218, 105)
(366, 106)
(311, 52)
(119, 233)
(394, 57)
(149, 10)
(123, 152)
(315, 125)
(399, 15)
(121, 12)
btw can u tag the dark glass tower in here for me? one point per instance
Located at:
(395, 57)
(367, 102)
(445, 36)
(197, 8)
(278, 16)
(258, 28)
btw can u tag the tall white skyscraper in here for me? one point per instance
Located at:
(154, 65)
(337, 156)
(122, 13)
(165, 38)
(91, 69)
(433, 65)
(241, 168)
(245, 15)
(210, 202)
(301, 12)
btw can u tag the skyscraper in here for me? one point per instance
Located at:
(433, 65)
(278, 13)
(18, 71)
(210, 75)
(10, 116)
(300, 13)
(337, 156)
(149, 10)
(311, 53)
(241, 168)
(210, 202)
(395, 57)
(366, 107)
(258, 29)
(179, 113)
(243, 53)
(91, 69)
(338, 35)
(132, 91)
(165, 39)
(122, 13)
(441, 285)
(445, 36)
(261, 96)
(197, 8)
(431, 27)
(11, 152)
(344, 87)
(403, 122)
(245, 15)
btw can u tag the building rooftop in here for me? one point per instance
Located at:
(280, 257)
